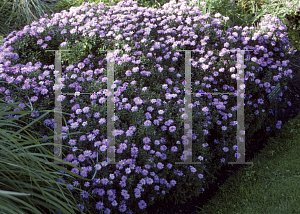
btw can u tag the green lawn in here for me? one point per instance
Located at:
(271, 185)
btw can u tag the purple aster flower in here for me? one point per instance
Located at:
(164, 128)
(104, 181)
(193, 169)
(98, 166)
(147, 123)
(102, 121)
(81, 158)
(129, 133)
(86, 61)
(160, 165)
(146, 147)
(205, 109)
(75, 162)
(169, 122)
(169, 165)
(278, 126)
(122, 208)
(172, 129)
(91, 137)
(44, 46)
(74, 125)
(267, 84)
(144, 172)
(122, 183)
(87, 153)
(75, 183)
(97, 143)
(163, 148)
(107, 211)
(138, 169)
(84, 194)
(83, 173)
(200, 176)
(63, 44)
(76, 171)
(99, 205)
(82, 138)
(97, 115)
(260, 101)
(142, 204)
(80, 65)
(146, 140)
(34, 98)
(40, 41)
(225, 149)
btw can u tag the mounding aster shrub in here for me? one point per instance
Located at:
(149, 97)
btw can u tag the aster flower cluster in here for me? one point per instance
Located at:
(149, 97)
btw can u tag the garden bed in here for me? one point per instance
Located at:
(228, 169)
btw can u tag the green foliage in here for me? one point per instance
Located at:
(294, 36)
(251, 13)
(247, 13)
(20, 13)
(27, 183)
(5, 28)
(66, 4)
(292, 22)
(240, 12)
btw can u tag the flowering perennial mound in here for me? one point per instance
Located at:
(149, 80)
